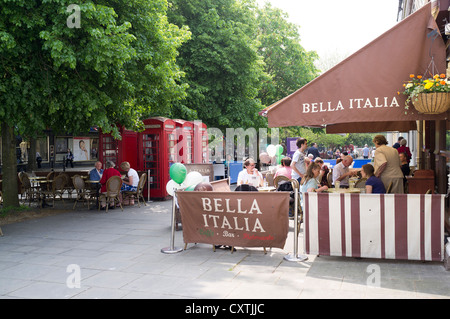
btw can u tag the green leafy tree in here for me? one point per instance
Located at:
(69, 67)
(221, 62)
(288, 65)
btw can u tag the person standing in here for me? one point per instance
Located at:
(314, 151)
(397, 145)
(69, 158)
(387, 165)
(38, 159)
(366, 151)
(298, 160)
(404, 149)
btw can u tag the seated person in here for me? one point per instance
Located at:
(250, 175)
(96, 173)
(131, 181)
(374, 185)
(309, 181)
(285, 169)
(324, 170)
(107, 173)
(404, 165)
(341, 171)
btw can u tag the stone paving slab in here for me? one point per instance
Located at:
(87, 254)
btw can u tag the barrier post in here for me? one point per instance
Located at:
(148, 187)
(172, 249)
(294, 256)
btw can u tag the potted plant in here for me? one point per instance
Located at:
(429, 96)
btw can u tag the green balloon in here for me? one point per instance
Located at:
(178, 172)
(279, 149)
(190, 188)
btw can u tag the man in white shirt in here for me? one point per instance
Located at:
(341, 171)
(366, 151)
(250, 175)
(298, 160)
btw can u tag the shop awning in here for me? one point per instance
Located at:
(360, 94)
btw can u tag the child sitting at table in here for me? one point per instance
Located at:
(309, 181)
(374, 185)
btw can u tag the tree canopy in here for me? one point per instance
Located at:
(221, 62)
(117, 66)
(288, 65)
(69, 67)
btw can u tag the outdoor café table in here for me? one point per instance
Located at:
(266, 189)
(37, 179)
(343, 190)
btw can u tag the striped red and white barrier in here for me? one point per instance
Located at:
(387, 226)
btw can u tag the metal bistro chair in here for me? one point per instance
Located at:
(278, 179)
(139, 191)
(30, 192)
(69, 188)
(330, 179)
(82, 193)
(361, 183)
(113, 185)
(56, 189)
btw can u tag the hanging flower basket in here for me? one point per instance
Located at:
(429, 96)
(432, 103)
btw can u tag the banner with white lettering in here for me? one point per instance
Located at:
(242, 219)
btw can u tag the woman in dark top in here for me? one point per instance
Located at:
(374, 185)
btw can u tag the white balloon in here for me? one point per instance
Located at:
(171, 186)
(192, 178)
(271, 150)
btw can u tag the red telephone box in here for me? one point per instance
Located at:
(118, 151)
(157, 146)
(185, 137)
(200, 142)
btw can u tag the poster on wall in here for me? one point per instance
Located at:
(81, 147)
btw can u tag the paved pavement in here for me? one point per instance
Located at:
(92, 254)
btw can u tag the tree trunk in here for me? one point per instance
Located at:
(32, 164)
(9, 167)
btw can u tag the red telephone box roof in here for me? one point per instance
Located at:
(184, 124)
(162, 121)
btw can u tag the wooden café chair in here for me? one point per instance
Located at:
(55, 190)
(113, 185)
(139, 193)
(82, 193)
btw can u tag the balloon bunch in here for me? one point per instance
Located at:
(271, 151)
(181, 179)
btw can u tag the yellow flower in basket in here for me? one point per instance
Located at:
(417, 85)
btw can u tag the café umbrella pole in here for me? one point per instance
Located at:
(171, 249)
(295, 256)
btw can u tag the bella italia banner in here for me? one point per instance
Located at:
(242, 219)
